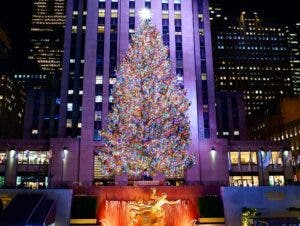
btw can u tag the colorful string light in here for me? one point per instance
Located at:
(148, 127)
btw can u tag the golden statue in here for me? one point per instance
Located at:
(149, 213)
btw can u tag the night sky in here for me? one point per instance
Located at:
(15, 16)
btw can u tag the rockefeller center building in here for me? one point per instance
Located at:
(97, 36)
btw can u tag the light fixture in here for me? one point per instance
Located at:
(63, 153)
(213, 152)
(286, 153)
(12, 153)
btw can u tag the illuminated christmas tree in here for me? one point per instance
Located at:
(148, 127)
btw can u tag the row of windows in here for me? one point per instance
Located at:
(253, 180)
(75, 81)
(28, 157)
(234, 37)
(252, 48)
(288, 133)
(31, 182)
(251, 157)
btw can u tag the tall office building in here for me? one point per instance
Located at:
(251, 57)
(231, 115)
(11, 94)
(293, 33)
(42, 74)
(46, 41)
(97, 36)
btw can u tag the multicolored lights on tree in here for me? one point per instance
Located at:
(148, 127)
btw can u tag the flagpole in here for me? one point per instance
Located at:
(272, 160)
(250, 162)
(261, 165)
(240, 164)
(283, 164)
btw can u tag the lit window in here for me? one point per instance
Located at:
(101, 13)
(100, 29)
(33, 157)
(70, 91)
(34, 131)
(245, 157)
(79, 125)
(70, 106)
(97, 115)
(69, 123)
(276, 180)
(98, 99)
(112, 81)
(244, 181)
(114, 13)
(276, 158)
(177, 15)
(99, 79)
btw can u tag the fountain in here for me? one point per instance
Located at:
(157, 211)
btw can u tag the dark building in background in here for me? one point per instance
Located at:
(231, 116)
(12, 95)
(46, 35)
(41, 75)
(252, 57)
(293, 33)
(279, 122)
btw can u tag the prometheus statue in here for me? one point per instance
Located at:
(149, 213)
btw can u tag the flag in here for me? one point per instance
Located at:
(239, 159)
(260, 157)
(250, 160)
(26, 152)
(50, 153)
(267, 159)
(264, 161)
(229, 161)
(288, 158)
(278, 156)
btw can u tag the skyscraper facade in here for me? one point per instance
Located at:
(12, 95)
(42, 74)
(47, 25)
(97, 35)
(251, 57)
(293, 33)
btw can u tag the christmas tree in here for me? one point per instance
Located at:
(148, 127)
